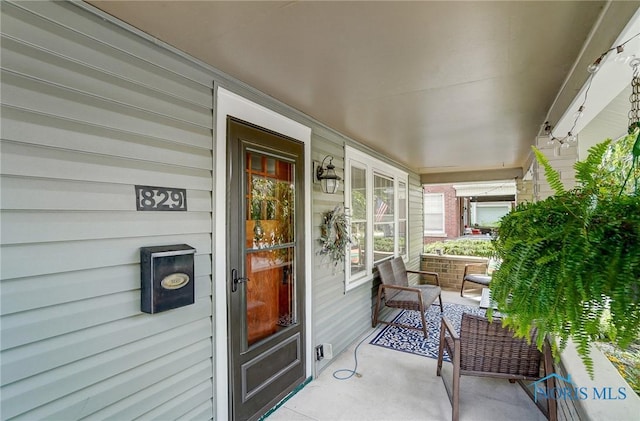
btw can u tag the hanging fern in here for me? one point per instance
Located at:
(570, 257)
(587, 170)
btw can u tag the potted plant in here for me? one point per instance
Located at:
(568, 258)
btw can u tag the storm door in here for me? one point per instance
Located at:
(266, 274)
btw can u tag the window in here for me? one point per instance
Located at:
(402, 218)
(358, 257)
(488, 214)
(434, 214)
(384, 233)
(376, 194)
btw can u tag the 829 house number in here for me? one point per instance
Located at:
(150, 198)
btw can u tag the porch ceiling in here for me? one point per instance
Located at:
(441, 87)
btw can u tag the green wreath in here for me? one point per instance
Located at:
(334, 235)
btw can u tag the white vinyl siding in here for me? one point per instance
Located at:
(89, 111)
(339, 318)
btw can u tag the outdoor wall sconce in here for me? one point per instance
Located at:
(327, 176)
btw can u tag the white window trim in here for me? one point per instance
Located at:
(443, 231)
(363, 276)
(359, 159)
(405, 256)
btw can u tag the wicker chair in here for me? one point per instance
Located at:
(488, 349)
(475, 273)
(396, 292)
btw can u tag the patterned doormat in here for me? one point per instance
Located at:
(413, 341)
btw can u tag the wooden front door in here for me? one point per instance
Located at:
(266, 273)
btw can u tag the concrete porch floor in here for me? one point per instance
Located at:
(398, 386)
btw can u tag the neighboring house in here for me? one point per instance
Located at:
(442, 213)
(454, 210)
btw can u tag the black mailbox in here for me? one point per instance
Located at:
(166, 275)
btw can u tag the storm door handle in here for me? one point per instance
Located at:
(235, 280)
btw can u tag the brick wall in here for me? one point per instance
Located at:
(449, 268)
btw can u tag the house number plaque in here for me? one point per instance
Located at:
(149, 198)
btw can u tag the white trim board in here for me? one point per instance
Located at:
(231, 104)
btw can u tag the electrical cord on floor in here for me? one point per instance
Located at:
(355, 357)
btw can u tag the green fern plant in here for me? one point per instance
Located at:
(571, 257)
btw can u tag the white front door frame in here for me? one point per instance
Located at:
(231, 104)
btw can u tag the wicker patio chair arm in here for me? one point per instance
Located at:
(446, 324)
(424, 272)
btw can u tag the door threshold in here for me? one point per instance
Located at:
(286, 398)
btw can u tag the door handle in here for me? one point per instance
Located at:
(235, 280)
